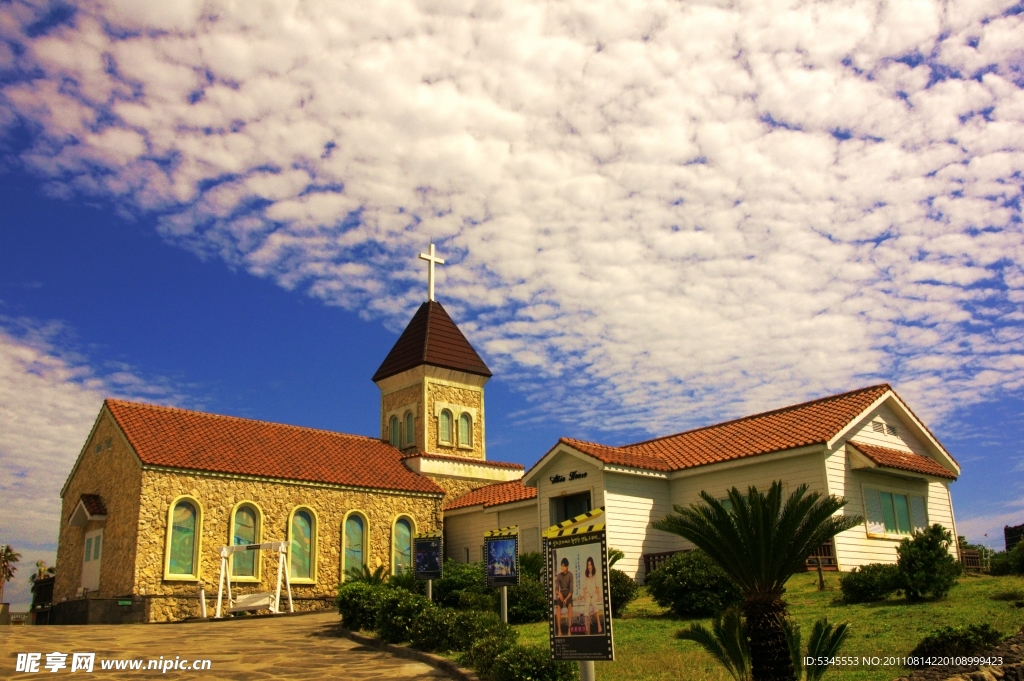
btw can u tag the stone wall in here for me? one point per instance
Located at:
(177, 599)
(412, 394)
(456, 395)
(114, 473)
(456, 487)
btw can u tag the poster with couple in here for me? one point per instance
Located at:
(577, 576)
(502, 552)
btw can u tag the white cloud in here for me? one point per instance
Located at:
(653, 215)
(988, 529)
(49, 398)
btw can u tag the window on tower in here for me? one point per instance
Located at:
(465, 430)
(444, 427)
(394, 435)
(410, 430)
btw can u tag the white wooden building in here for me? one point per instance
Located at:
(865, 445)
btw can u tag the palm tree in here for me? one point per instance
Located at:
(760, 542)
(8, 557)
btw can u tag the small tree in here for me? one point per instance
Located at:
(760, 542)
(925, 564)
(8, 557)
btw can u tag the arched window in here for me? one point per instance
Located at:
(444, 427)
(401, 546)
(355, 544)
(184, 528)
(302, 549)
(465, 430)
(410, 429)
(395, 442)
(245, 529)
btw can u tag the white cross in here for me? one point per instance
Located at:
(431, 261)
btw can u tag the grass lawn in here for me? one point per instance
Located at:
(646, 649)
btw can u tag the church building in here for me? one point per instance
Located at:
(157, 491)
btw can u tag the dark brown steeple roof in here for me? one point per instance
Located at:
(432, 338)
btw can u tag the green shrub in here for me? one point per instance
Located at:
(874, 582)
(926, 567)
(435, 631)
(693, 586)
(531, 564)
(459, 579)
(527, 602)
(396, 612)
(407, 580)
(1009, 562)
(528, 662)
(957, 641)
(483, 652)
(358, 603)
(624, 590)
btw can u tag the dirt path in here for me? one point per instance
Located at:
(299, 647)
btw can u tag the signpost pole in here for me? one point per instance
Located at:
(587, 672)
(430, 590)
(504, 604)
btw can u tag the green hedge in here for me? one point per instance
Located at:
(396, 612)
(527, 602)
(358, 603)
(957, 641)
(874, 582)
(1009, 562)
(527, 662)
(624, 590)
(693, 585)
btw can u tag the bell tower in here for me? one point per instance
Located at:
(432, 385)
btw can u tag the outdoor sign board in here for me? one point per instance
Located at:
(428, 555)
(576, 581)
(502, 553)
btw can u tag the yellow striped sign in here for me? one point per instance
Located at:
(503, 532)
(559, 530)
(428, 535)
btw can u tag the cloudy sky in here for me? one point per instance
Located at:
(655, 215)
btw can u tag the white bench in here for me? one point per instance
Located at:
(258, 601)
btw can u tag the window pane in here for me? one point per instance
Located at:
(394, 432)
(183, 539)
(888, 515)
(354, 543)
(244, 564)
(902, 513)
(727, 503)
(446, 427)
(302, 542)
(96, 547)
(464, 430)
(88, 549)
(403, 545)
(410, 429)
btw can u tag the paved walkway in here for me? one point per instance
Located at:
(298, 647)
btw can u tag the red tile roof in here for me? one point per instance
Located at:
(432, 338)
(465, 459)
(906, 461)
(93, 504)
(494, 495)
(809, 423)
(179, 438)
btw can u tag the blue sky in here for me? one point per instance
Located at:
(654, 217)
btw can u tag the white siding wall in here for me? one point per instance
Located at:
(563, 464)
(854, 547)
(467, 530)
(794, 471)
(632, 503)
(526, 519)
(903, 440)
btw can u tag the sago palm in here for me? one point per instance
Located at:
(760, 542)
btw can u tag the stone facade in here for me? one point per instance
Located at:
(396, 404)
(449, 393)
(456, 487)
(115, 474)
(217, 496)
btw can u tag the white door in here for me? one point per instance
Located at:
(91, 560)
